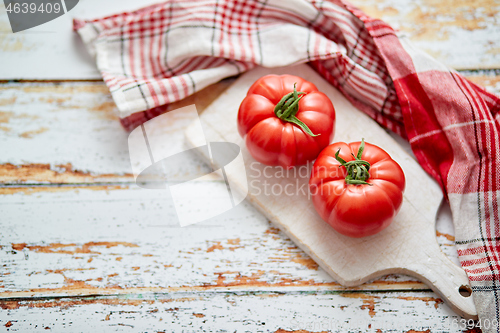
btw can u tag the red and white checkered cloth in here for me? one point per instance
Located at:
(165, 52)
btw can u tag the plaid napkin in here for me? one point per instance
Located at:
(165, 52)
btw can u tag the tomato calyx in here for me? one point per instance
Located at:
(357, 169)
(287, 108)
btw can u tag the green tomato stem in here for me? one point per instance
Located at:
(287, 108)
(357, 169)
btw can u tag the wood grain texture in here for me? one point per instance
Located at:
(69, 133)
(83, 240)
(461, 34)
(312, 311)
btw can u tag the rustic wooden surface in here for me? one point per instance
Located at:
(82, 248)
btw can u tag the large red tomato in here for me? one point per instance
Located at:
(285, 120)
(357, 188)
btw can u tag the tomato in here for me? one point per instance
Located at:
(357, 188)
(285, 120)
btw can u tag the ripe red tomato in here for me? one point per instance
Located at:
(285, 120)
(357, 188)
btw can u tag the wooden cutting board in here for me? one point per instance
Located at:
(407, 246)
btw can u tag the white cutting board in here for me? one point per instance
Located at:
(407, 246)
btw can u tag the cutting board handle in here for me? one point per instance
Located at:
(446, 279)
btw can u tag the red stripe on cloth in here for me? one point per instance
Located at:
(433, 152)
(489, 266)
(253, 27)
(175, 90)
(477, 271)
(482, 142)
(191, 65)
(471, 251)
(496, 212)
(483, 277)
(145, 71)
(472, 262)
(184, 85)
(131, 56)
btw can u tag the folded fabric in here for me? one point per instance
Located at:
(165, 52)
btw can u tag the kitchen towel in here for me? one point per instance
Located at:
(165, 52)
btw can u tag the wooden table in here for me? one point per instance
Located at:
(82, 248)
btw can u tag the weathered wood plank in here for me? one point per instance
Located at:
(461, 34)
(316, 311)
(71, 240)
(69, 133)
